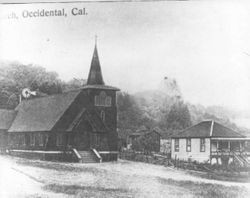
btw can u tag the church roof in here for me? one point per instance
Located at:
(208, 129)
(95, 72)
(6, 118)
(41, 114)
(92, 118)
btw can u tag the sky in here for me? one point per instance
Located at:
(204, 45)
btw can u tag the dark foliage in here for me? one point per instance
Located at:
(178, 117)
(146, 143)
(15, 76)
(129, 114)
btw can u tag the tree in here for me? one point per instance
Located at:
(16, 76)
(74, 83)
(129, 114)
(146, 143)
(178, 117)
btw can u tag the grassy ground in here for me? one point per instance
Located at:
(209, 190)
(197, 189)
(123, 179)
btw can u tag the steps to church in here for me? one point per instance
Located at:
(87, 157)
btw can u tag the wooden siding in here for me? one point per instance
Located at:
(28, 140)
(195, 154)
(3, 141)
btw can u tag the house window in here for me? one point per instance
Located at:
(188, 148)
(202, 145)
(176, 145)
(103, 116)
(103, 100)
(59, 140)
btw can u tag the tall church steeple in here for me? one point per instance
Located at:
(95, 72)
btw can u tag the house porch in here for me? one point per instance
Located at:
(225, 151)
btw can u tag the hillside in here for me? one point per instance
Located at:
(156, 105)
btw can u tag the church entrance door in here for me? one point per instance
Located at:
(82, 141)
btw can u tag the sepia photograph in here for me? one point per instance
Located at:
(125, 99)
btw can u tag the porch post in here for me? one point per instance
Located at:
(229, 146)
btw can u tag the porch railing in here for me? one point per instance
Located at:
(229, 153)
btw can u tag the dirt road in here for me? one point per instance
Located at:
(34, 178)
(15, 184)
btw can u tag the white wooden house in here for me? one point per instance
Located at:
(209, 142)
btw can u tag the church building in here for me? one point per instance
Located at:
(78, 125)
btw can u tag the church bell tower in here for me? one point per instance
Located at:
(103, 99)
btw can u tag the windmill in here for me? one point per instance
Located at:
(27, 93)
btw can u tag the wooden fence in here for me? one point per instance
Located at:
(152, 158)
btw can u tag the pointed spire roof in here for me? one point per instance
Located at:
(95, 72)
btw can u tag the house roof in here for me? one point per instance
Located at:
(158, 130)
(123, 134)
(208, 129)
(41, 114)
(95, 72)
(137, 134)
(165, 135)
(144, 131)
(6, 118)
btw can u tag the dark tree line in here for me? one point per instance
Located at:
(14, 77)
(130, 116)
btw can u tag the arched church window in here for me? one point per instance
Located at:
(102, 94)
(103, 116)
(102, 99)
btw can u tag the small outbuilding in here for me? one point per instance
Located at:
(145, 139)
